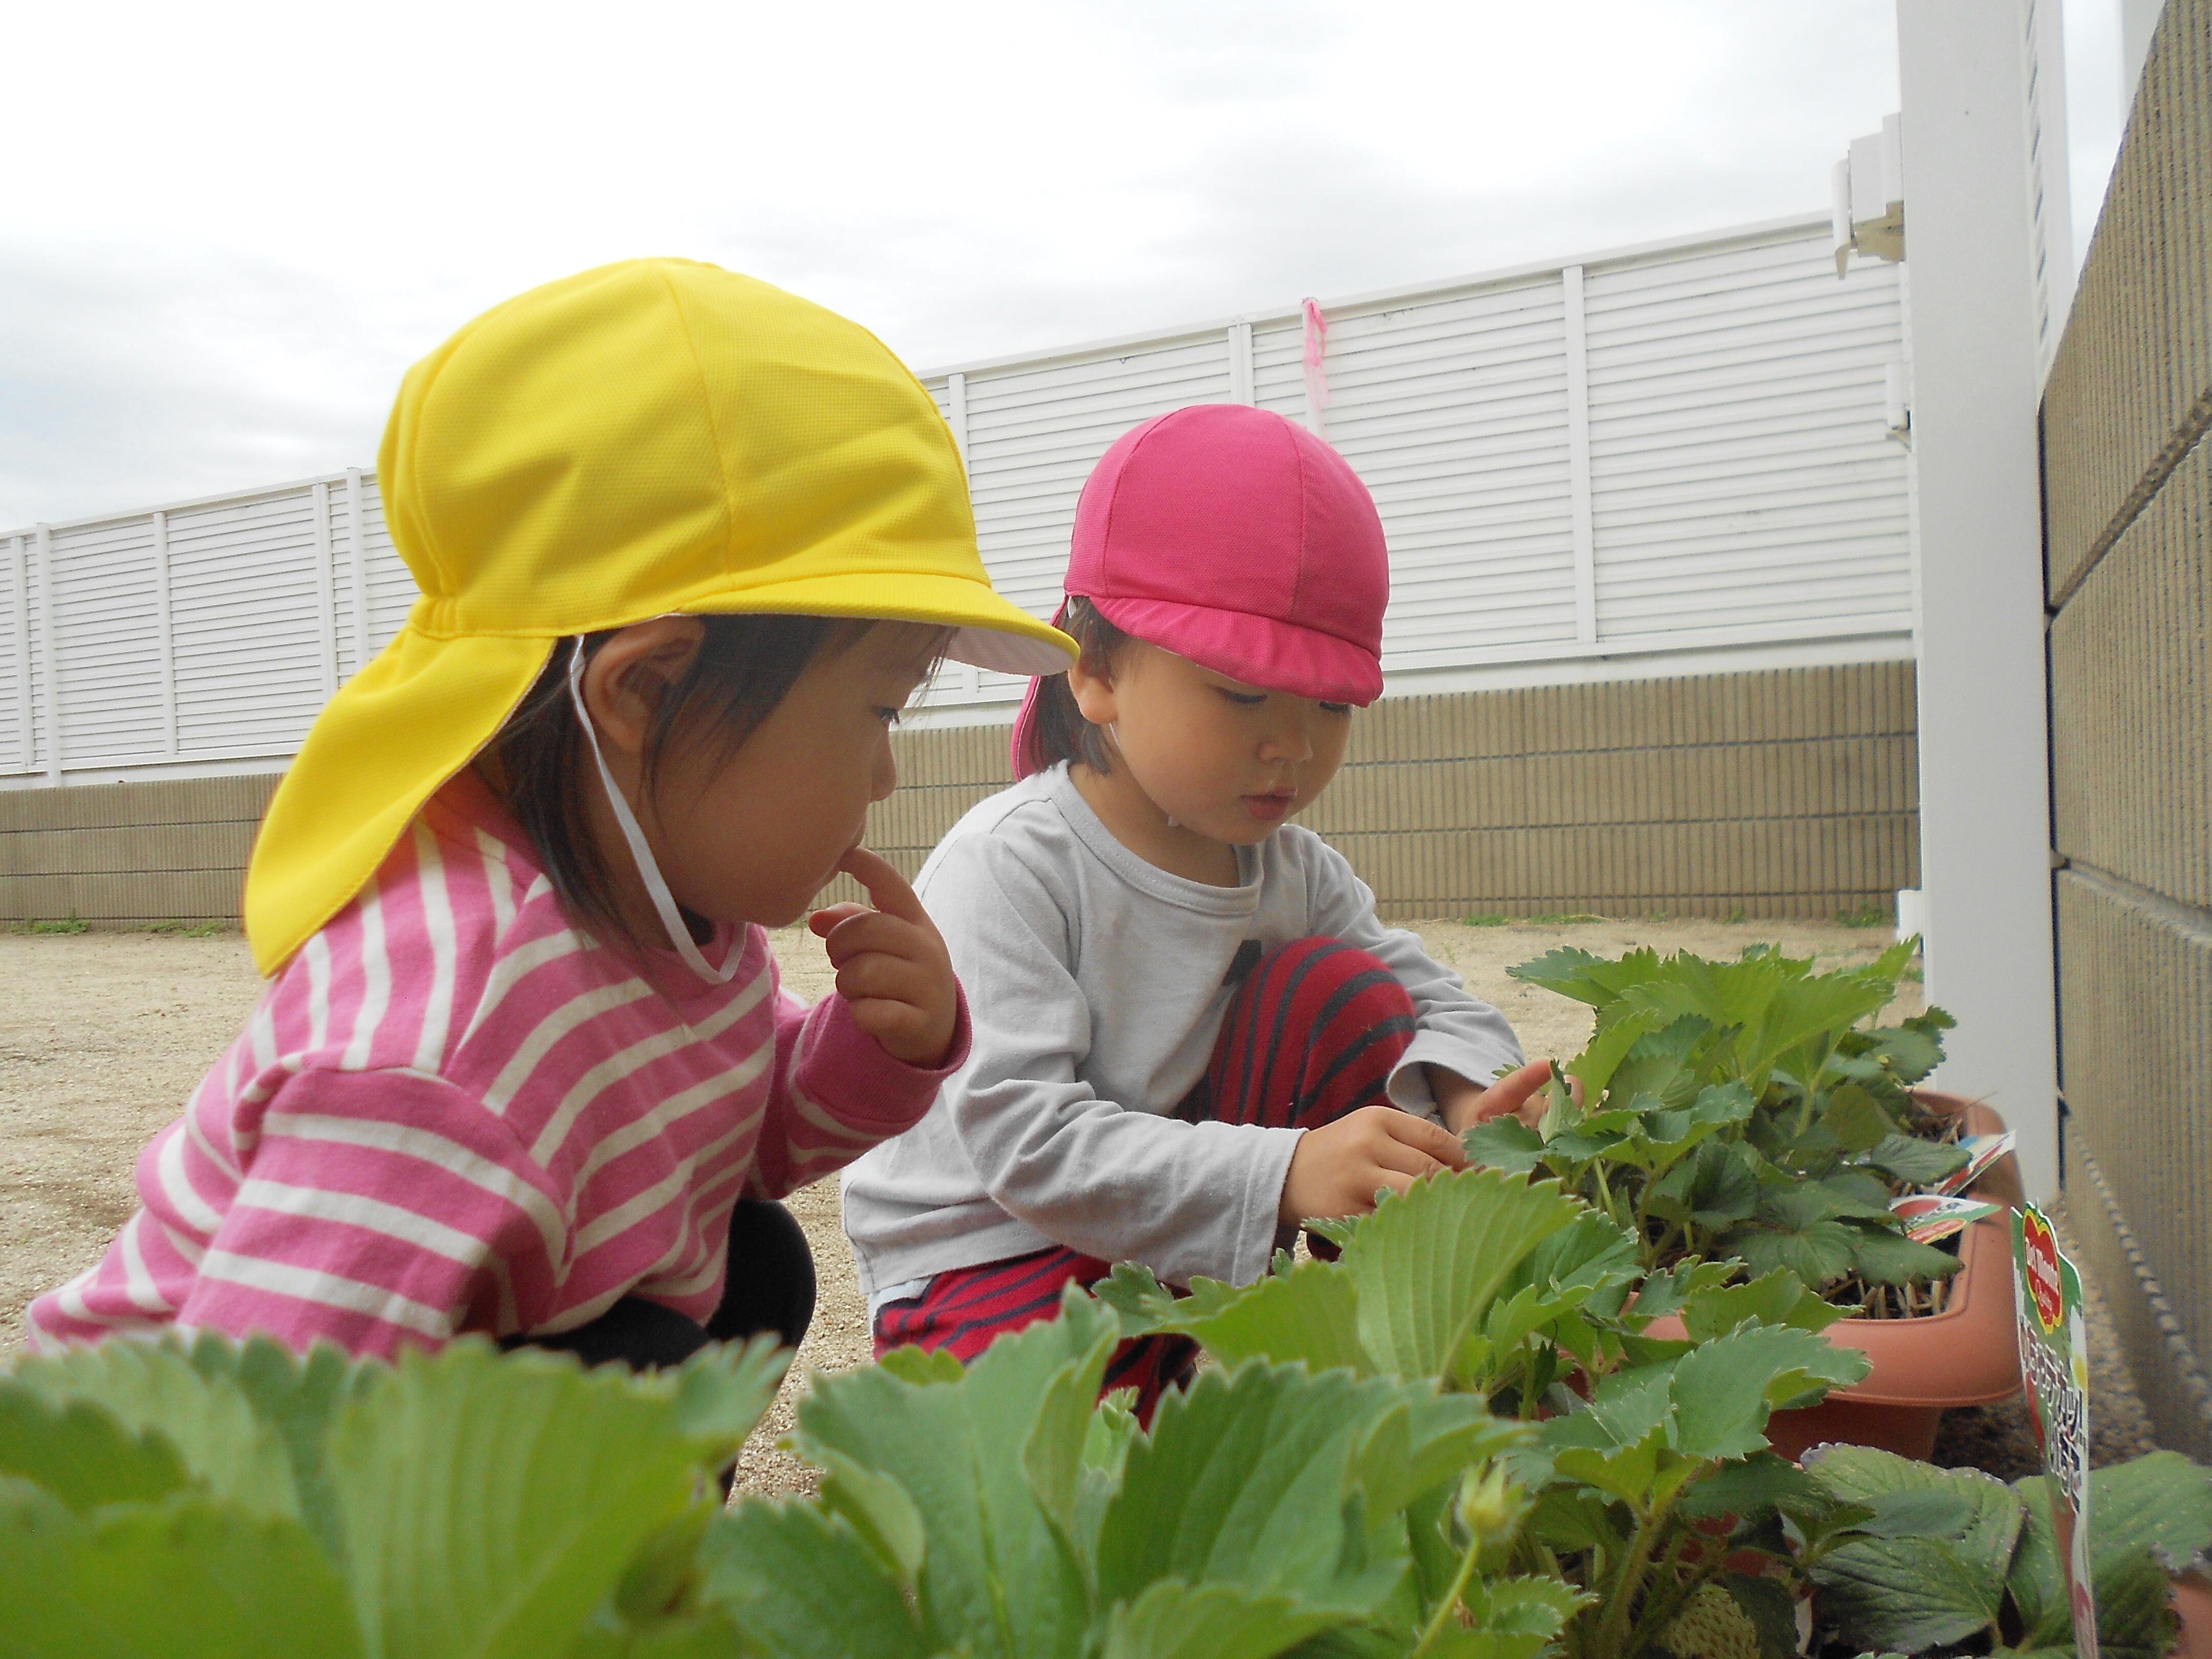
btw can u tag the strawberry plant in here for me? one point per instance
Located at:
(209, 1499)
(1644, 1485)
(1742, 1110)
(1455, 1442)
(1952, 1561)
(1645, 1488)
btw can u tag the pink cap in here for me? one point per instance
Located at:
(1234, 537)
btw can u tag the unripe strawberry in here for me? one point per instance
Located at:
(1712, 1626)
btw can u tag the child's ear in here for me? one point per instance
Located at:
(626, 682)
(1092, 686)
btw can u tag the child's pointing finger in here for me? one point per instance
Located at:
(887, 888)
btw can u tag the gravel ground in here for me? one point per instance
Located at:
(103, 1035)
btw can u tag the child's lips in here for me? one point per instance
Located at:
(1271, 807)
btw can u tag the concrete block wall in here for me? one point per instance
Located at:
(1778, 792)
(2128, 508)
(130, 855)
(1781, 792)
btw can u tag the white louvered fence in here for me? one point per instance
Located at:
(1671, 448)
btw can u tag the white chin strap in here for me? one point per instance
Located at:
(648, 869)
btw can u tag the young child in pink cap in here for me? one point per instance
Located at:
(1191, 1032)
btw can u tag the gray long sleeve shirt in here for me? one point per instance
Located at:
(1095, 985)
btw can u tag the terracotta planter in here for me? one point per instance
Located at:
(2192, 1599)
(1967, 1355)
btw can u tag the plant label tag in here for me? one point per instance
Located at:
(1981, 1150)
(2054, 1362)
(1930, 1216)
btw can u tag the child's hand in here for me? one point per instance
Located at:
(1464, 1104)
(892, 964)
(1337, 1167)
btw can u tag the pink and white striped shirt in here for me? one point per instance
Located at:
(453, 1111)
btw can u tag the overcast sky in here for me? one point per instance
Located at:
(226, 230)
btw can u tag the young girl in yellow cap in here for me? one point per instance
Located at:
(685, 544)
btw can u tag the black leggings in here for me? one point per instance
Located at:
(769, 1287)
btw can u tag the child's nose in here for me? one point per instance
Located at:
(885, 778)
(1289, 741)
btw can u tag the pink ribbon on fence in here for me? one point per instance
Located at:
(1316, 373)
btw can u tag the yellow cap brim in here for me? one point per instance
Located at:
(427, 706)
(987, 631)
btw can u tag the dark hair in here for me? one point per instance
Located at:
(1057, 731)
(745, 666)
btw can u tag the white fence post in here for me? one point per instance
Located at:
(1240, 362)
(956, 416)
(1984, 784)
(49, 667)
(168, 647)
(26, 734)
(326, 609)
(1578, 456)
(357, 548)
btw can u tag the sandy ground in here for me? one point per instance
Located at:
(102, 1037)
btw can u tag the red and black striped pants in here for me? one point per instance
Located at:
(1312, 1033)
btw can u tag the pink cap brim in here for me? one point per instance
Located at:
(1259, 651)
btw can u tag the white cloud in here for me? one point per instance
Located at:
(227, 229)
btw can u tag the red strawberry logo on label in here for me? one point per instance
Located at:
(2042, 1249)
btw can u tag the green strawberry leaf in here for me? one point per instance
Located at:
(1175, 1620)
(151, 1388)
(1671, 1134)
(1586, 978)
(1909, 1051)
(1855, 1118)
(1524, 1606)
(2148, 1518)
(491, 1503)
(1778, 1298)
(1428, 1263)
(799, 1582)
(1913, 1592)
(193, 1576)
(1609, 1046)
(998, 1572)
(923, 1366)
(1723, 1389)
(692, 1634)
(299, 1398)
(1916, 1162)
(1819, 1255)
(1910, 1594)
(1424, 1443)
(2134, 1611)
(1715, 1186)
(1882, 1257)
(1244, 1481)
(77, 1452)
(1756, 1486)
(1504, 1143)
(2037, 1581)
(1140, 1302)
(1674, 1290)
(2161, 1502)
(1659, 1069)
(879, 1512)
(1310, 1314)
